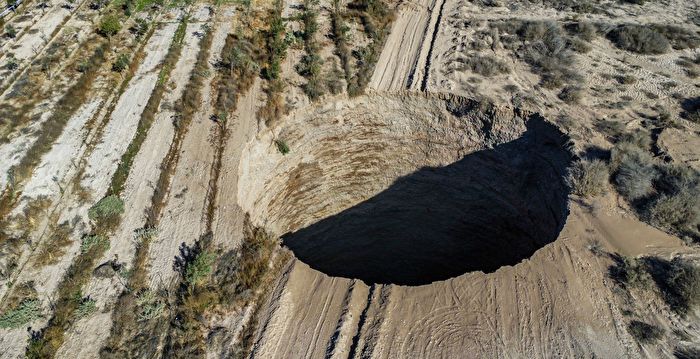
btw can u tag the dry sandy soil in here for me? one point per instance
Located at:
(427, 215)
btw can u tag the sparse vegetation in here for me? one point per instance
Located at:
(663, 194)
(571, 94)
(588, 178)
(545, 48)
(644, 332)
(311, 64)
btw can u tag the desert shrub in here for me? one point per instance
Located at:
(588, 178)
(94, 240)
(548, 54)
(486, 65)
(679, 282)
(150, 305)
(109, 26)
(634, 171)
(686, 352)
(86, 307)
(691, 109)
(630, 272)
(626, 79)
(139, 28)
(108, 207)
(679, 38)
(28, 310)
(578, 45)
(583, 29)
(677, 211)
(645, 332)
(121, 64)
(199, 269)
(610, 128)
(571, 94)
(11, 63)
(10, 31)
(640, 39)
(333, 78)
(282, 147)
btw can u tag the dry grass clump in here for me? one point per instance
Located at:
(485, 65)
(588, 178)
(53, 249)
(644, 332)
(641, 39)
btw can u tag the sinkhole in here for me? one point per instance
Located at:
(409, 189)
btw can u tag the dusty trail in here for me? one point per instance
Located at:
(182, 216)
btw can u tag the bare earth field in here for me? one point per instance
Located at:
(350, 179)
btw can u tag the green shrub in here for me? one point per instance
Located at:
(106, 208)
(640, 39)
(121, 64)
(28, 310)
(10, 31)
(109, 26)
(91, 241)
(282, 147)
(588, 178)
(644, 332)
(199, 269)
(86, 307)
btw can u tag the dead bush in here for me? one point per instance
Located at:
(485, 65)
(588, 178)
(641, 39)
(571, 94)
(644, 332)
(582, 29)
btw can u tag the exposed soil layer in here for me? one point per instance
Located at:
(445, 186)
